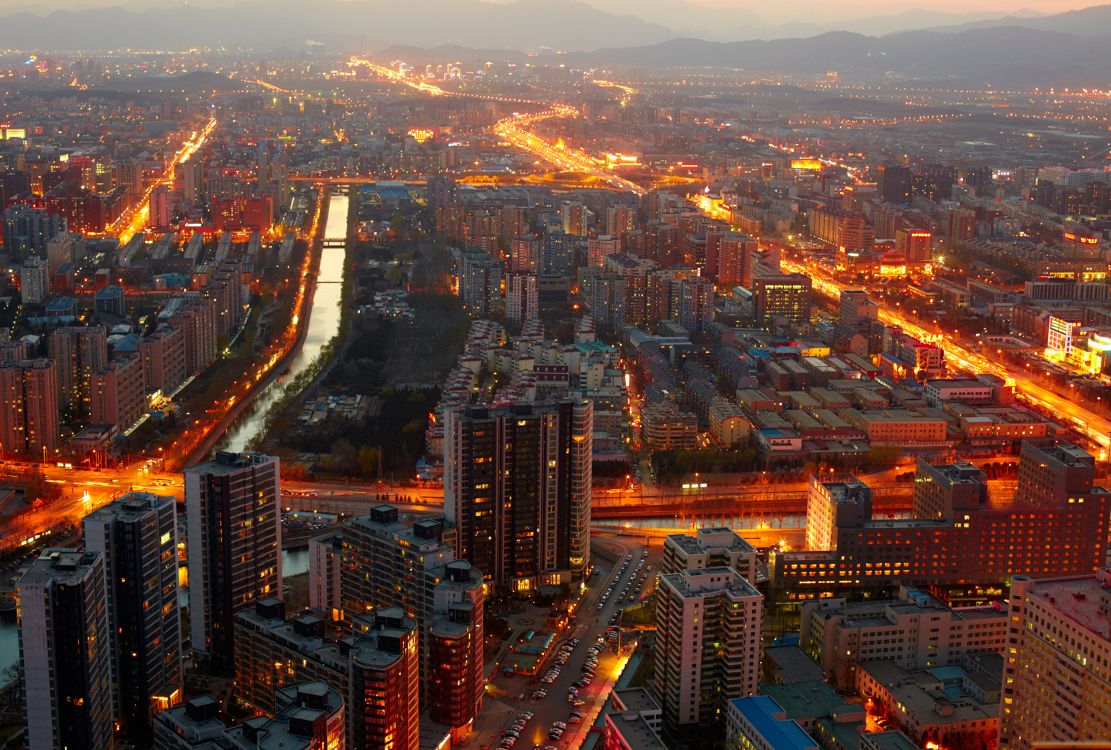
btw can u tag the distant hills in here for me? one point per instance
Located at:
(1072, 48)
(266, 25)
(999, 56)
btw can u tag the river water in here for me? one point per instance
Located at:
(324, 323)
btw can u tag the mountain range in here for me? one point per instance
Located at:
(1004, 56)
(1024, 48)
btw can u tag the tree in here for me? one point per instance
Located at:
(368, 458)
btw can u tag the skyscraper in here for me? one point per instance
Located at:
(65, 649)
(708, 624)
(234, 541)
(517, 483)
(137, 536)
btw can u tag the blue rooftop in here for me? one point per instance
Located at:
(764, 714)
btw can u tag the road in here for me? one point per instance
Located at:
(961, 356)
(590, 623)
(134, 220)
(514, 130)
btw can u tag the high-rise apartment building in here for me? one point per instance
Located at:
(26, 231)
(517, 482)
(1056, 685)
(716, 547)
(522, 298)
(708, 624)
(576, 219)
(855, 308)
(65, 650)
(29, 407)
(735, 261)
(452, 655)
(385, 683)
(160, 207)
(386, 563)
(136, 534)
(78, 353)
(620, 220)
(325, 555)
(234, 532)
(696, 304)
(34, 281)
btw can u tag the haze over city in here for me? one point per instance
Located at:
(555, 375)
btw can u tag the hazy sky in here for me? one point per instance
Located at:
(778, 12)
(870, 7)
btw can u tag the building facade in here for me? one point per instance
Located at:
(65, 649)
(137, 536)
(233, 512)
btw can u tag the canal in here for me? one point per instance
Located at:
(324, 322)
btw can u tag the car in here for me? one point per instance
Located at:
(527, 715)
(578, 702)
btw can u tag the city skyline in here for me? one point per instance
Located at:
(683, 394)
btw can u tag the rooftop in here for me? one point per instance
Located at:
(636, 699)
(635, 731)
(933, 696)
(894, 740)
(765, 716)
(710, 582)
(793, 665)
(58, 566)
(1084, 600)
(806, 700)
